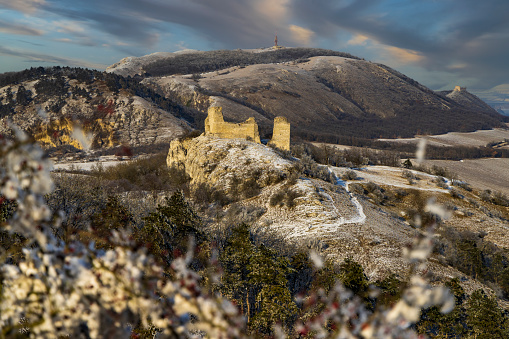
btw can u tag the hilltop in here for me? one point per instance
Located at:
(326, 95)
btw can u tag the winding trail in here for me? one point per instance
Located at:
(361, 218)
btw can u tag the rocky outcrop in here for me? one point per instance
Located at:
(217, 162)
(463, 97)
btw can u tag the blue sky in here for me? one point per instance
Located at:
(440, 43)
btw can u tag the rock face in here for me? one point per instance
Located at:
(217, 161)
(61, 109)
(323, 97)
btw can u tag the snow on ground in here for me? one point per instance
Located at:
(105, 161)
(477, 138)
(392, 176)
(482, 174)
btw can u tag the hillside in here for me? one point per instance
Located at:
(326, 95)
(368, 216)
(88, 109)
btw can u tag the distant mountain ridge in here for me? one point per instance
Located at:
(326, 95)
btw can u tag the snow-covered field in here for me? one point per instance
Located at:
(104, 161)
(477, 138)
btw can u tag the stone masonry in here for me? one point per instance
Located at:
(281, 133)
(216, 126)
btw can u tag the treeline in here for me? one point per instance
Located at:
(209, 61)
(355, 157)
(379, 153)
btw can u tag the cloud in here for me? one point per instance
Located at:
(301, 34)
(45, 58)
(18, 29)
(30, 43)
(24, 6)
(358, 40)
(404, 55)
(465, 39)
(225, 23)
(438, 35)
(84, 41)
(389, 53)
(69, 26)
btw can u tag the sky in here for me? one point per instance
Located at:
(440, 43)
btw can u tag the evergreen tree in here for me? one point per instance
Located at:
(9, 96)
(408, 164)
(352, 276)
(23, 96)
(114, 216)
(235, 259)
(168, 230)
(268, 273)
(10, 243)
(390, 290)
(484, 318)
(451, 325)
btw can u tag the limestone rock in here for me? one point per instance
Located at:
(217, 161)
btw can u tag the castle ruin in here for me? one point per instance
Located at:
(216, 126)
(460, 89)
(281, 133)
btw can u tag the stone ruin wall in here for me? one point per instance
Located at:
(215, 125)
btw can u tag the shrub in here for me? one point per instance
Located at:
(455, 194)
(147, 174)
(205, 194)
(500, 198)
(356, 188)
(349, 175)
(485, 195)
(441, 182)
(284, 197)
(462, 184)
(249, 188)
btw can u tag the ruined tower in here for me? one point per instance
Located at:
(281, 133)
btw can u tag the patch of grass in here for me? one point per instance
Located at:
(147, 174)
